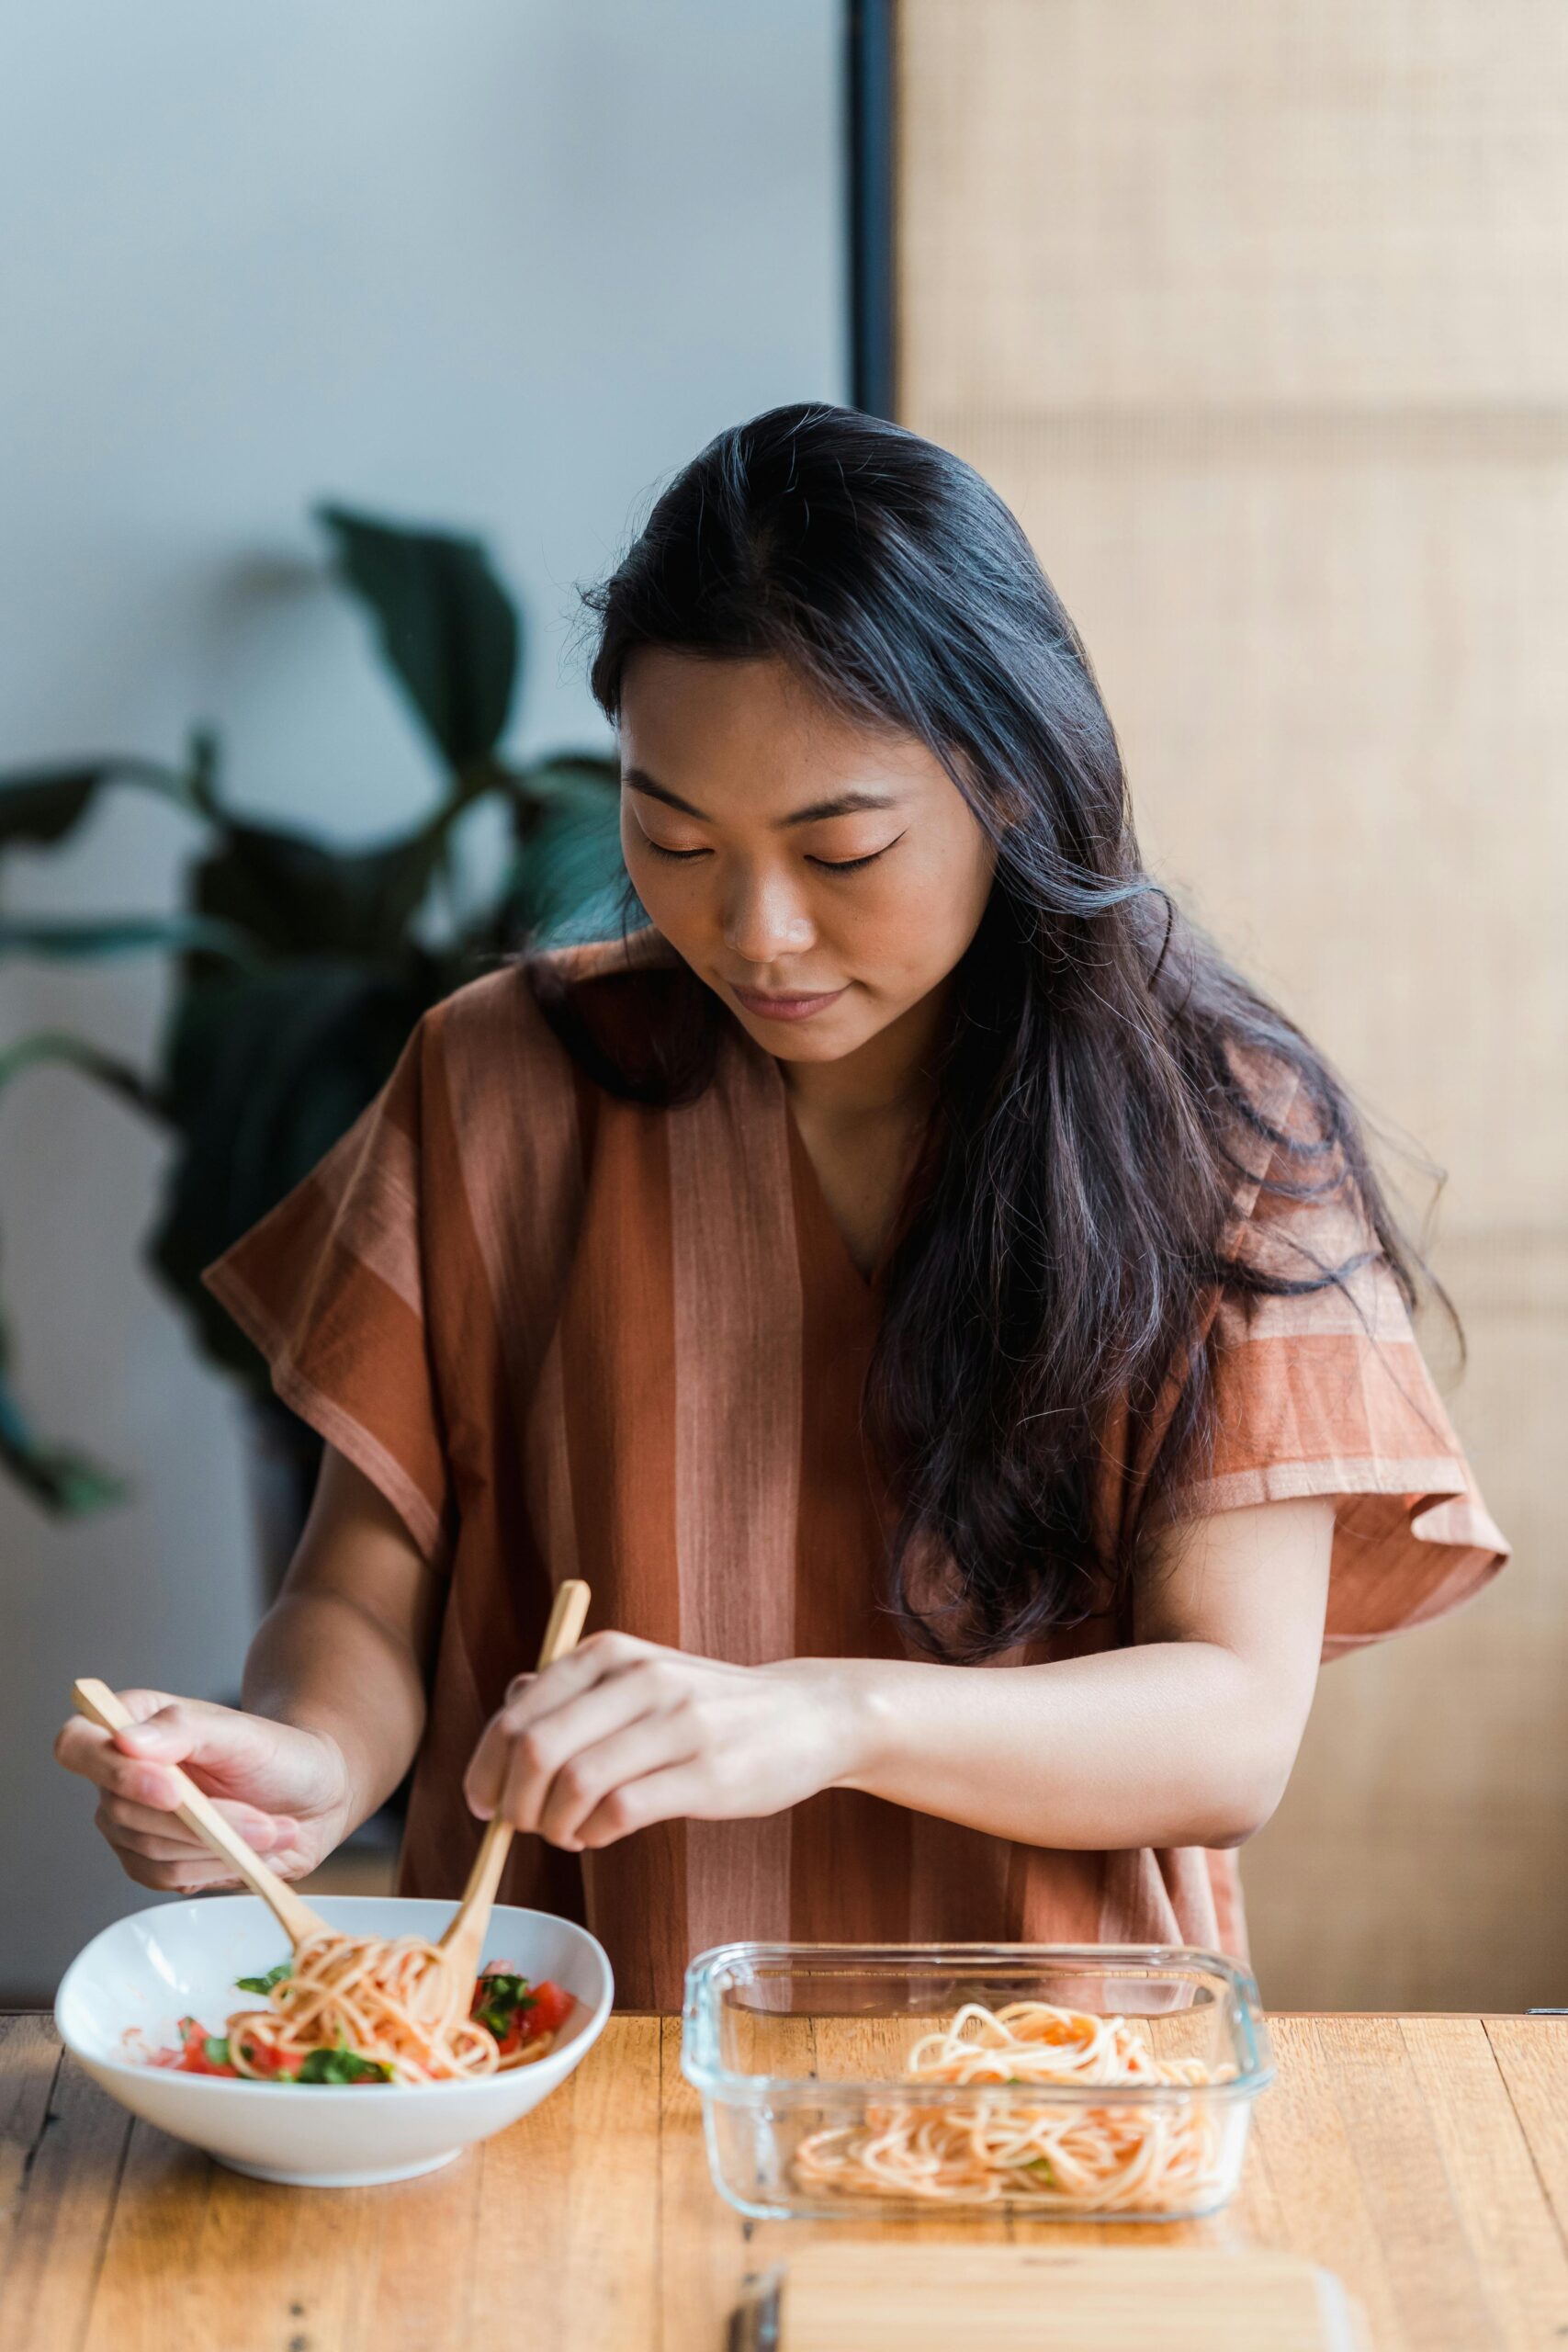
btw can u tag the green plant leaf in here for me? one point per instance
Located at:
(300, 977)
(68, 1483)
(61, 1480)
(568, 876)
(264, 1071)
(87, 937)
(575, 778)
(58, 1047)
(297, 898)
(57, 1476)
(446, 625)
(43, 804)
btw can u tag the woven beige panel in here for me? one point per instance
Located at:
(1258, 318)
(1127, 201)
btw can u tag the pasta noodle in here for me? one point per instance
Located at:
(1144, 2157)
(368, 2009)
(391, 2002)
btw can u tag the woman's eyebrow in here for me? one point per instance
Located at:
(842, 804)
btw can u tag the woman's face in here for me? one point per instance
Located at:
(789, 855)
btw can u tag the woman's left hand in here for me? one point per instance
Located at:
(625, 1732)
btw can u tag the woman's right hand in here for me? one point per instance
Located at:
(285, 1790)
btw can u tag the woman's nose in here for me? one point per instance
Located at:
(764, 919)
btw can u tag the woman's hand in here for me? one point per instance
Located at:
(285, 1790)
(625, 1732)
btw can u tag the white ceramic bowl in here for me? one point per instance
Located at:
(182, 1959)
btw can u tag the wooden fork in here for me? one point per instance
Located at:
(462, 1942)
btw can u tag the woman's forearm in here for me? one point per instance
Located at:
(1186, 1737)
(322, 1663)
(1169, 1744)
(344, 1649)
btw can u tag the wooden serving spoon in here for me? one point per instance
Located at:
(461, 1944)
(201, 1817)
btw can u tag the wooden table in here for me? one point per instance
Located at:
(1422, 2158)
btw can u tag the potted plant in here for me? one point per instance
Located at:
(301, 967)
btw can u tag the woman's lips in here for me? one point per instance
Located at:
(786, 1008)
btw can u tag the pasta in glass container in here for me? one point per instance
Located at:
(1107, 2082)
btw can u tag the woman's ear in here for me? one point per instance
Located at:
(1005, 803)
(1009, 807)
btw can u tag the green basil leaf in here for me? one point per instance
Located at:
(216, 2049)
(342, 2065)
(497, 2000)
(265, 1984)
(504, 1992)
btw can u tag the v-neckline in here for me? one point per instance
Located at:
(871, 1287)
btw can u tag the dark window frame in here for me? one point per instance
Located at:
(869, 32)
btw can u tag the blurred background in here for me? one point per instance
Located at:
(1254, 315)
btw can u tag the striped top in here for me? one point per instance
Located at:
(570, 1334)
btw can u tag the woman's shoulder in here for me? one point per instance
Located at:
(1298, 1211)
(511, 1003)
(541, 1020)
(626, 956)
(1282, 1132)
(1269, 1098)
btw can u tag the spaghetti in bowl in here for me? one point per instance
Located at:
(188, 1961)
(1074, 2083)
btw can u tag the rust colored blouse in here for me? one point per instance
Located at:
(568, 1334)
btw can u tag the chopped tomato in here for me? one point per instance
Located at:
(552, 2006)
(516, 2011)
(197, 2053)
(266, 2058)
(196, 2062)
(511, 2040)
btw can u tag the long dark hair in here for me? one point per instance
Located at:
(1061, 1247)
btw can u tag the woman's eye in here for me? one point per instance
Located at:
(848, 865)
(659, 851)
(827, 864)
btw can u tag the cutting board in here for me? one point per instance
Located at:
(883, 2298)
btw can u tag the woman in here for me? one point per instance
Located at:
(915, 1255)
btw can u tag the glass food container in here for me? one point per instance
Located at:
(800, 2054)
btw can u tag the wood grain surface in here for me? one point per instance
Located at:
(1040, 2297)
(1422, 2159)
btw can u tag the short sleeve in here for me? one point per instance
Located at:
(1327, 1393)
(330, 1287)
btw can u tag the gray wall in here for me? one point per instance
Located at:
(500, 263)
